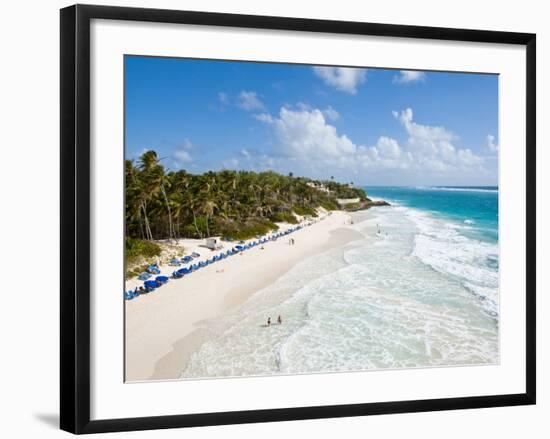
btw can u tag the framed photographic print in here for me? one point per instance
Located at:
(267, 218)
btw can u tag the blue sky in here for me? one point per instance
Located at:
(369, 126)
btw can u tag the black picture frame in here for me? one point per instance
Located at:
(75, 217)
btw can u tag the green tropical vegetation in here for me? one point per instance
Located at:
(163, 204)
(138, 248)
(138, 252)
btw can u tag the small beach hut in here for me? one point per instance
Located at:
(213, 243)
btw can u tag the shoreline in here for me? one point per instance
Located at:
(163, 329)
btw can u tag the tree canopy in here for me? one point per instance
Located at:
(164, 204)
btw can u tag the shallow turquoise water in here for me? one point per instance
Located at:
(475, 207)
(420, 290)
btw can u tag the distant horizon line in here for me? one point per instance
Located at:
(327, 179)
(434, 186)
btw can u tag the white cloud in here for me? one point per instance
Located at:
(182, 154)
(300, 106)
(423, 132)
(249, 101)
(345, 79)
(253, 160)
(386, 154)
(331, 114)
(388, 147)
(223, 98)
(432, 146)
(264, 117)
(491, 144)
(306, 139)
(408, 76)
(305, 133)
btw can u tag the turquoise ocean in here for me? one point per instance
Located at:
(420, 290)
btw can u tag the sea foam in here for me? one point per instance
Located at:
(416, 294)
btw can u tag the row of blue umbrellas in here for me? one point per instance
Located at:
(152, 284)
(235, 250)
(148, 286)
(185, 259)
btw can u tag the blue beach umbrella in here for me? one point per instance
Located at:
(144, 276)
(150, 284)
(162, 279)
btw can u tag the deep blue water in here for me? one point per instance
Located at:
(475, 208)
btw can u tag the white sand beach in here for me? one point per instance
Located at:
(163, 327)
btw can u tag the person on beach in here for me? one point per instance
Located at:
(269, 321)
(279, 320)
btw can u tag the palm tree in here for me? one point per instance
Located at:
(156, 182)
(138, 197)
(180, 185)
(169, 205)
(208, 209)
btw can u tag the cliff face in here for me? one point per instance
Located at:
(364, 205)
(378, 203)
